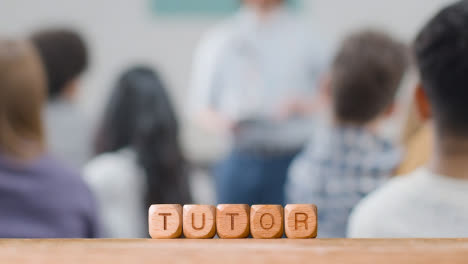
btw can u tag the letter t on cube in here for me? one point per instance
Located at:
(165, 221)
(233, 220)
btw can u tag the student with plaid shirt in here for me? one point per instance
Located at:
(347, 159)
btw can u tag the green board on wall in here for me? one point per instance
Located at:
(199, 7)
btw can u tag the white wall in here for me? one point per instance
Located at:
(122, 32)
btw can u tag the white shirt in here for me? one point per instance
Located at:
(246, 68)
(119, 186)
(64, 121)
(422, 205)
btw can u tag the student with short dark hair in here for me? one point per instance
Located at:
(431, 202)
(65, 57)
(347, 158)
(140, 160)
(39, 198)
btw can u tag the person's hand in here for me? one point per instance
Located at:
(300, 107)
(290, 108)
(216, 122)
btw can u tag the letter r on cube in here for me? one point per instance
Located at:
(300, 220)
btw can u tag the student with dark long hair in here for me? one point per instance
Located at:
(39, 197)
(139, 160)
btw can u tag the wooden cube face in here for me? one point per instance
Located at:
(199, 221)
(266, 221)
(233, 220)
(165, 221)
(300, 220)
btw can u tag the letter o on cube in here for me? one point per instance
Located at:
(266, 221)
(165, 220)
(301, 220)
(199, 221)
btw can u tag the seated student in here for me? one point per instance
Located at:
(39, 198)
(431, 202)
(347, 159)
(140, 161)
(65, 57)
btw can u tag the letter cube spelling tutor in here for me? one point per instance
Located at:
(266, 221)
(300, 220)
(231, 221)
(165, 220)
(199, 221)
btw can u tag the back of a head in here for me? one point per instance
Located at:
(22, 92)
(365, 76)
(64, 55)
(139, 106)
(441, 51)
(140, 116)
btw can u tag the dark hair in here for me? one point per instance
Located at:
(140, 115)
(441, 51)
(366, 73)
(64, 56)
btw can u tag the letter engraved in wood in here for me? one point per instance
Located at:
(165, 215)
(202, 225)
(268, 224)
(303, 220)
(300, 220)
(232, 219)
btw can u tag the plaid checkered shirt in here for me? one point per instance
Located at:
(336, 170)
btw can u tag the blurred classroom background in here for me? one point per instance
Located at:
(221, 101)
(164, 34)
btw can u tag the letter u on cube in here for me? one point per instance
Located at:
(233, 221)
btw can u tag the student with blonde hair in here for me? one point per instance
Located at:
(39, 197)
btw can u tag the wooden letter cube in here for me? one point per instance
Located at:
(301, 220)
(199, 221)
(266, 221)
(165, 221)
(232, 220)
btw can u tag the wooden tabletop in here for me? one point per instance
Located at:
(234, 251)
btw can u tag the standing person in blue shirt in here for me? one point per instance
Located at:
(348, 159)
(252, 76)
